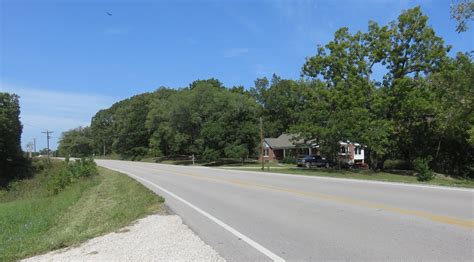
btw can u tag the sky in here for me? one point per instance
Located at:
(68, 59)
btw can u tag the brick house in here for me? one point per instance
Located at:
(288, 145)
(351, 153)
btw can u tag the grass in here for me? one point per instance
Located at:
(33, 221)
(369, 175)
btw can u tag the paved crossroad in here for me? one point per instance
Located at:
(252, 216)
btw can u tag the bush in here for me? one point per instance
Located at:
(84, 167)
(289, 160)
(59, 181)
(40, 164)
(422, 169)
(72, 171)
(210, 155)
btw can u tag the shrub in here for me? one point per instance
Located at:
(422, 168)
(289, 160)
(59, 181)
(84, 167)
(40, 164)
(72, 171)
(210, 154)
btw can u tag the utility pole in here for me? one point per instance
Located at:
(261, 144)
(34, 145)
(29, 148)
(47, 132)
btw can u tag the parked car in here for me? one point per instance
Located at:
(312, 160)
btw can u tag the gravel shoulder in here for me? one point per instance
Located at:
(156, 237)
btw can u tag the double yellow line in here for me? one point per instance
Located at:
(466, 224)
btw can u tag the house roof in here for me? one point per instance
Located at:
(287, 141)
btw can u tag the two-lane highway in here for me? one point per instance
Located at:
(250, 216)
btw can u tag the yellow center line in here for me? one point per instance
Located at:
(467, 224)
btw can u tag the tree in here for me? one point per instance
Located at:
(347, 103)
(414, 49)
(462, 12)
(12, 163)
(281, 103)
(205, 120)
(381, 115)
(102, 126)
(161, 139)
(76, 142)
(10, 127)
(452, 120)
(131, 135)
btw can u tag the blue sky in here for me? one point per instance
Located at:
(68, 59)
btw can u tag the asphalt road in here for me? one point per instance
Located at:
(252, 216)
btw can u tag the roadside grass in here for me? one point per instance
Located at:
(367, 175)
(32, 221)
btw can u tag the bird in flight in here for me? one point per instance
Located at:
(108, 13)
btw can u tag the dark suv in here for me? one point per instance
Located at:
(311, 160)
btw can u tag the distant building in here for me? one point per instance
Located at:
(351, 153)
(288, 145)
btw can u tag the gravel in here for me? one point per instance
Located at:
(156, 237)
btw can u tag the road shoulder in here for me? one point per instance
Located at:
(153, 238)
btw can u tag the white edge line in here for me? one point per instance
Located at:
(249, 241)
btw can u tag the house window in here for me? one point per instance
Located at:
(266, 152)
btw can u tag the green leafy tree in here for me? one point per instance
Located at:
(102, 126)
(452, 120)
(203, 120)
(463, 12)
(131, 135)
(76, 142)
(12, 163)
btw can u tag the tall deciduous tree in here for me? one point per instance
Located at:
(12, 163)
(76, 142)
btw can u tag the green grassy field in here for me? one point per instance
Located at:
(365, 175)
(33, 221)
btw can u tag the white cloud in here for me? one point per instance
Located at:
(235, 52)
(59, 111)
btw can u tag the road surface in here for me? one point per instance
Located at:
(252, 216)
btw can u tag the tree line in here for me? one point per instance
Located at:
(393, 88)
